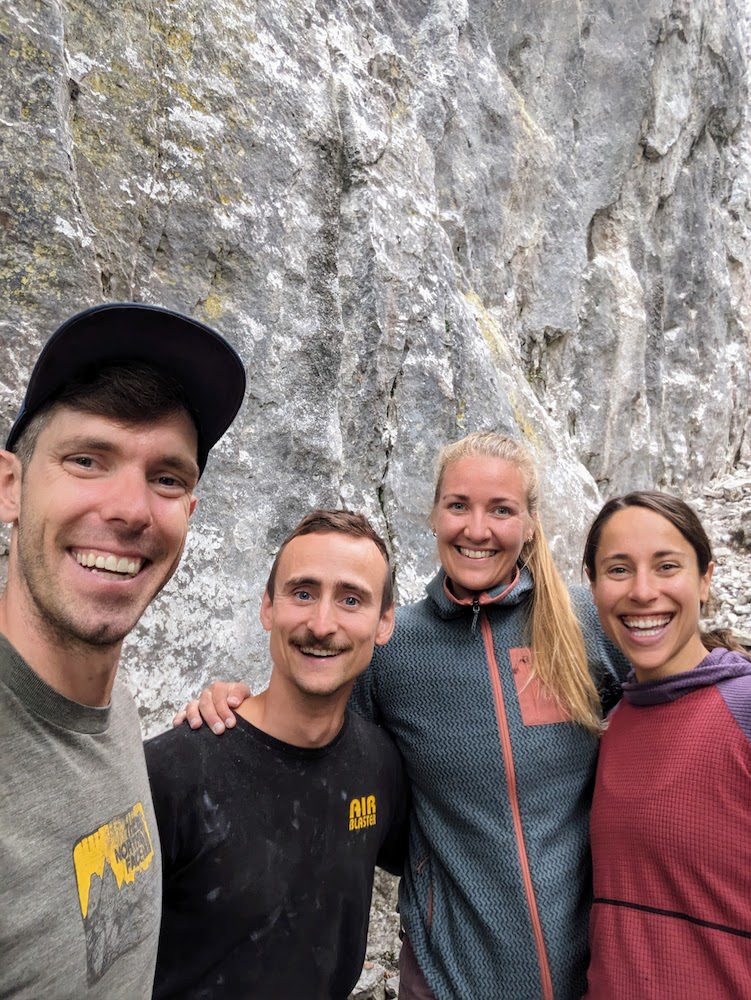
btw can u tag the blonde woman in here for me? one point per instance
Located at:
(491, 688)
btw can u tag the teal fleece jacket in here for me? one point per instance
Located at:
(497, 884)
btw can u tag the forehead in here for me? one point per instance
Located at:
(174, 433)
(636, 531)
(331, 557)
(484, 475)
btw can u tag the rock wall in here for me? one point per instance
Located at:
(413, 219)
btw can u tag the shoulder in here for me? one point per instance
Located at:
(415, 615)
(736, 693)
(366, 733)
(372, 739)
(584, 609)
(183, 754)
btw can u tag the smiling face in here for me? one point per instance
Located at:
(326, 615)
(648, 590)
(100, 522)
(481, 522)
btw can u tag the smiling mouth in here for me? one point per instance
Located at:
(645, 626)
(476, 553)
(321, 652)
(108, 563)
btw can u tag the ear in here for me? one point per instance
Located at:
(385, 627)
(192, 505)
(11, 475)
(704, 583)
(267, 613)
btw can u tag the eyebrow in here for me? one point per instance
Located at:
(312, 581)
(655, 555)
(465, 496)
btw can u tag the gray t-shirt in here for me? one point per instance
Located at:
(80, 863)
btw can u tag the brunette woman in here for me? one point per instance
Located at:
(671, 818)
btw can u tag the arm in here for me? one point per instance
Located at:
(393, 850)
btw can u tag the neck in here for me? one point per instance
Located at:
(76, 670)
(297, 718)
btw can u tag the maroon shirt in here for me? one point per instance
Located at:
(671, 839)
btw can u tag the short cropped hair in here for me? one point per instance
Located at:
(131, 392)
(343, 522)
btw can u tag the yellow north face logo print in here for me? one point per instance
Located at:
(362, 812)
(123, 844)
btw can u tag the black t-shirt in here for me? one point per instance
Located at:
(268, 855)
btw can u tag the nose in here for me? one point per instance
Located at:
(322, 622)
(642, 587)
(476, 526)
(128, 499)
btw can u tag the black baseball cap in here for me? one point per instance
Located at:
(207, 368)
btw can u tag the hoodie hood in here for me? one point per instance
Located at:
(504, 595)
(719, 665)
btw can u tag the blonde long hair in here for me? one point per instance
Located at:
(559, 656)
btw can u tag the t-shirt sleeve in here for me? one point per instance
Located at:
(393, 849)
(165, 761)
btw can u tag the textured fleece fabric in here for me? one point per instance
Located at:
(671, 839)
(80, 865)
(463, 900)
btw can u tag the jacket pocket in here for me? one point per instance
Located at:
(536, 705)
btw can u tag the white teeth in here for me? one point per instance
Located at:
(476, 553)
(112, 563)
(644, 624)
(319, 652)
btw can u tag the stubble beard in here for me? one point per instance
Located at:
(57, 621)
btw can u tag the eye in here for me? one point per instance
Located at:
(303, 595)
(170, 486)
(502, 511)
(351, 601)
(617, 571)
(457, 505)
(668, 567)
(80, 463)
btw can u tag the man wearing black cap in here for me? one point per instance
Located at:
(97, 482)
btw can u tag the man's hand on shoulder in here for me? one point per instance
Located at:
(214, 706)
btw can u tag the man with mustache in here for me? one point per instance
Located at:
(270, 835)
(97, 482)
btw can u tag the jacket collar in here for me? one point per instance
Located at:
(719, 665)
(504, 595)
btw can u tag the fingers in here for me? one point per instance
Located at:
(218, 700)
(237, 692)
(214, 707)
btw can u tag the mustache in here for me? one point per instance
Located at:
(309, 641)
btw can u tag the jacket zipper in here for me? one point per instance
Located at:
(508, 763)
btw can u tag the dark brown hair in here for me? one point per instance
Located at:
(130, 392)
(685, 520)
(343, 522)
